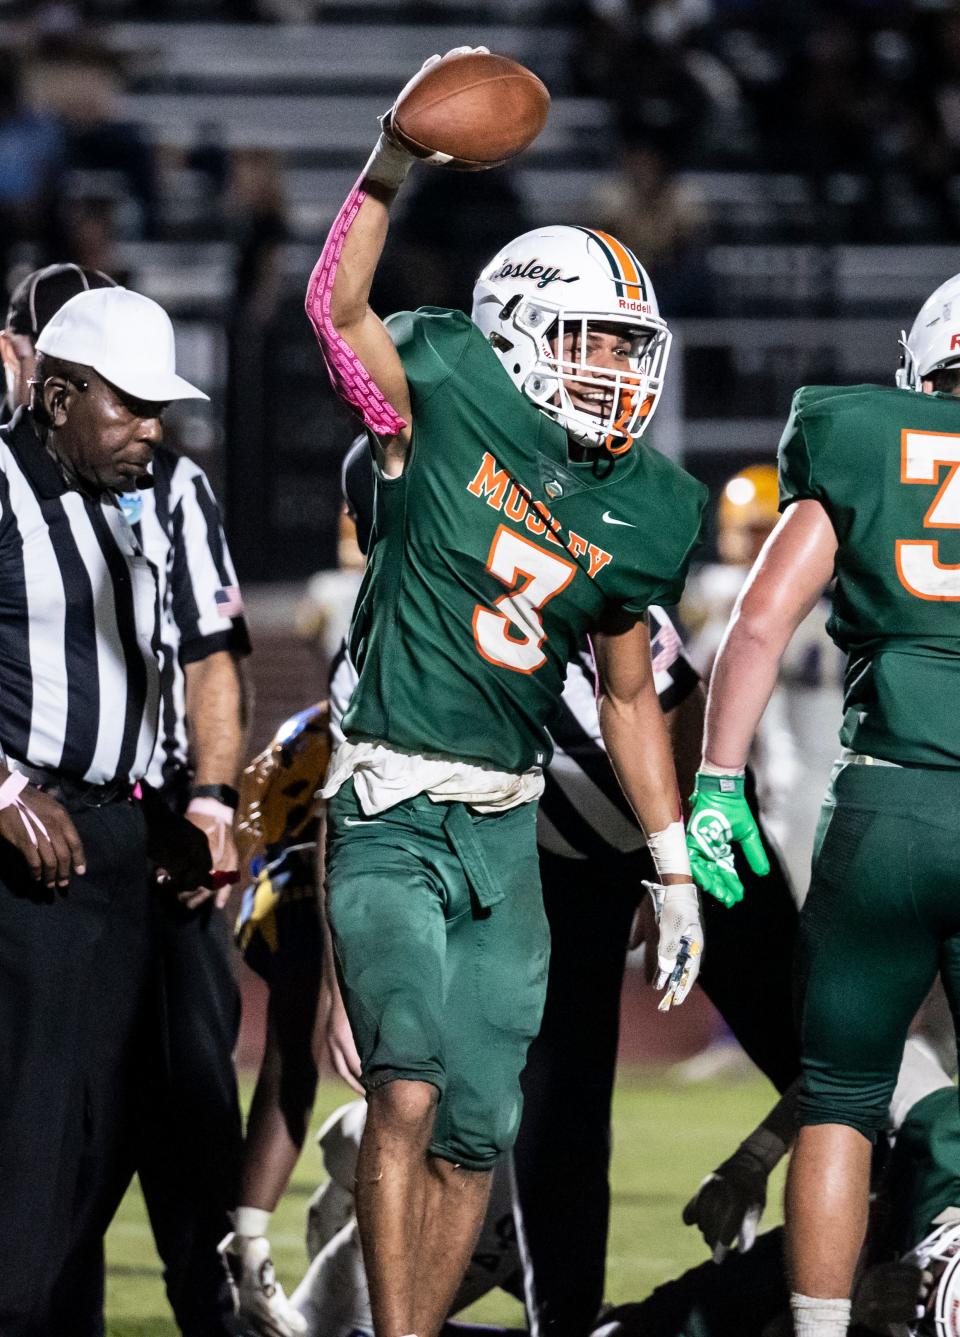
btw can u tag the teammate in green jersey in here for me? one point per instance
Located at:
(516, 509)
(870, 493)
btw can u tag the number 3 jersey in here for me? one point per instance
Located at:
(884, 465)
(492, 553)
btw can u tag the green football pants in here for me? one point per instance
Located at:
(882, 918)
(442, 948)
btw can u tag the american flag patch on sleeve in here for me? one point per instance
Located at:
(228, 601)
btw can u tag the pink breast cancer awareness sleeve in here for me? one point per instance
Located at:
(350, 378)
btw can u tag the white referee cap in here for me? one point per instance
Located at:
(125, 337)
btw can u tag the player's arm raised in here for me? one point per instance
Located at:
(363, 363)
(638, 744)
(789, 576)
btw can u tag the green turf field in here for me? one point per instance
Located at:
(667, 1136)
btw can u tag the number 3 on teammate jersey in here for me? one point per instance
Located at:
(512, 636)
(922, 455)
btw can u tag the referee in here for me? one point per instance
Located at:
(79, 693)
(593, 858)
(189, 1137)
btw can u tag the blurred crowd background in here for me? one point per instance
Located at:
(789, 174)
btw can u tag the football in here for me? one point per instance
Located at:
(476, 108)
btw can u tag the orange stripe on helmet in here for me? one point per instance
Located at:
(629, 265)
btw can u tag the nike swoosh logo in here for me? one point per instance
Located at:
(362, 821)
(608, 519)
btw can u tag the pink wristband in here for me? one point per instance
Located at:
(11, 789)
(10, 792)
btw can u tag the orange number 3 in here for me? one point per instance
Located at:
(922, 456)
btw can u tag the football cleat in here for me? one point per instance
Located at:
(262, 1307)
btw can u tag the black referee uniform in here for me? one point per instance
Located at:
(592, 860)
(192, 1143)
(79, 692)
(189, 1137)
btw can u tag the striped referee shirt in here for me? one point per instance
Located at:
(79, 626)
(178, 523)
(583, 812)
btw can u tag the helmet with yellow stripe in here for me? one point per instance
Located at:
(573, 317)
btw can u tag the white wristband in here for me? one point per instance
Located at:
(708, 768)
(388, 164)
(668, 849)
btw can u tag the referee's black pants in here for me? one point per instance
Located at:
(191, 1143)
(187, 1142)
(562, 1154)
(75, 973)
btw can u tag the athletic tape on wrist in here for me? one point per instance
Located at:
(708, 768)
(388, 164)
(668, 849)
(350, 378)
(10, 792)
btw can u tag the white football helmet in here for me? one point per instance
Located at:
(559, 281)
(934, 340)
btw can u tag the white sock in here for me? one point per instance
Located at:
(251, 1221)
(819, 1318)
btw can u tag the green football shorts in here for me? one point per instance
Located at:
(882, 918)
(442, 949)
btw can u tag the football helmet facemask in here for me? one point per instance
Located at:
(542, 300)
(934, 339)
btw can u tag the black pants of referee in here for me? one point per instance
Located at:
(187, 1141)
(562, 1155)
(75, 980)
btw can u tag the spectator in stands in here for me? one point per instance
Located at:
(90, 232)
(640, 53)
(80, 82)
(661, 218)
(32, 155)
(257, 216)
(451, 224)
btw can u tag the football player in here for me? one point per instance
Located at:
(914, 1225)
(516, 509)
(869, 493)
(279, 936)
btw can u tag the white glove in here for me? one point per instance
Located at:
(680, 949)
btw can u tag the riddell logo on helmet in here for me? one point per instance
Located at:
(625, 305)
(533, 269)
(954, 343)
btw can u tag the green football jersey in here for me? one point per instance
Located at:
(492, 554)
(884, 465)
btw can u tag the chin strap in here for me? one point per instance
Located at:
(618, 434)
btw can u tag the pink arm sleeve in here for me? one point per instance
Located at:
(350, 378)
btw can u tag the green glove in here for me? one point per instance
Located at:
(720, 817)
